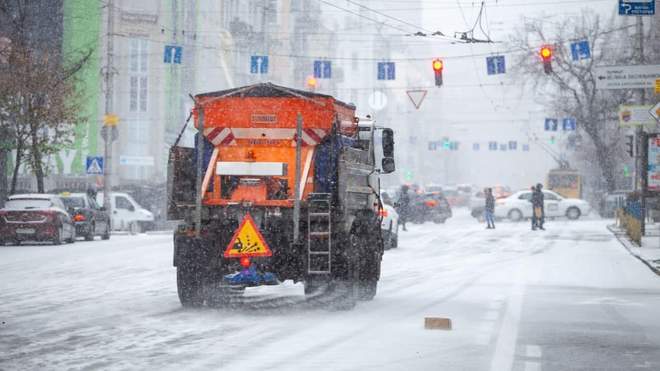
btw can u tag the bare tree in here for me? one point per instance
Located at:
(38, 95)
(570, 89)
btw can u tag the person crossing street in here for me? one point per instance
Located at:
(489, 209)
(538, 214)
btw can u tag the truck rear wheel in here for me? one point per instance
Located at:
(189, 284)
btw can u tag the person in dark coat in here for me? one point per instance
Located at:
(538, 214)
(489, 209)
(403, 206)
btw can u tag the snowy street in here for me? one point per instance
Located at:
(567, 298)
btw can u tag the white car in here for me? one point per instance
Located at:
(127, 214)
(518, 206)
(389, 226)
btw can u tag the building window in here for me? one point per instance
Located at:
(138, 77)
(492, 146)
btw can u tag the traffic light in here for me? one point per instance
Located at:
(437, 70)
(311, 82)
(630, 145)
(546, 56)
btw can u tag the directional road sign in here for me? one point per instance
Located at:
(386, 71)
(636, 115)
(580, 50)
(377, 100)
(172, 54)
(94, 165)
(495, 65)
(636, 7)
(626, 77)
(259, 64)
(322, 69)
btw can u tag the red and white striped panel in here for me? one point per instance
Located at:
(220, 136)
(311, 137)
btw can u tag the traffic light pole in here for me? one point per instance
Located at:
(108, 139)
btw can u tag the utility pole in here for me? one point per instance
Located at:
(640, 136)
(109, 132)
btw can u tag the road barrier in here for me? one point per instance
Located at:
(630, 219)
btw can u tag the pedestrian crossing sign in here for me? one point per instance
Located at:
(94, 165)
(247, 241)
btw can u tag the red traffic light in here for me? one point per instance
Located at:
(437, 65)
(546, 53)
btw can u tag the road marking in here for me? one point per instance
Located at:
(508, 335)
(533, 351)
(532, 366)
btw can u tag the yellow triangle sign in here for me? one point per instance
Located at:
(247, 241)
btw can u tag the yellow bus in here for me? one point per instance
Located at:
(567, 182)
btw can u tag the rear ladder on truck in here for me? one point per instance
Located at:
(319, 234)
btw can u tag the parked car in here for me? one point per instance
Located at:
(90, 219)
(35, 217)
(127, 214)
(518, 206)
(431, 206)
(389, 226)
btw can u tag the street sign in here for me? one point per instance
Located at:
(172, 54)
(94, 165)
(322, 69)
(655, 112)
(377, 100)
(386, 71)
(416, 97)
(259, 64)
(136, 160)
(569, 124)
(580, 50)
(635, 116)
(653, 180)
(495, 65)
(475, 146)
(513, 145)
(114, 133)
(525, 147)
(636, 7)
(492, 146)
(626, 77)
(247, 241)
(110, 119)
(551, 124)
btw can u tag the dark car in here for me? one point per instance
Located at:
(35, 217)
(430, 206)
(90, 219)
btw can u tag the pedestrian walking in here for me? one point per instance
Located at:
(403, 206)
(538, 214)
(489, 209)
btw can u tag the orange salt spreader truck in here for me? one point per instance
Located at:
(282, 185)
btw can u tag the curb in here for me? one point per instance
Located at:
(627, 244)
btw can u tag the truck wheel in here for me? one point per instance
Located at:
(106, 234)
(189, 284)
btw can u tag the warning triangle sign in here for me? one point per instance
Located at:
(416, 97)
(247, 241)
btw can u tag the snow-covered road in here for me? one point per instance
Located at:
(567, 298)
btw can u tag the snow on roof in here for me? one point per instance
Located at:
(39, 196)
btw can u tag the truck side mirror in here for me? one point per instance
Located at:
(388, 165)
(388, 144)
